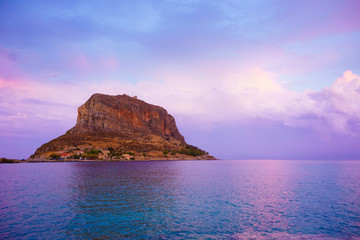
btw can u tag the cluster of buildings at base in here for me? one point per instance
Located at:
(82, 155)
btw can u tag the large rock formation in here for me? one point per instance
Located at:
(120, 127)
(126, 116)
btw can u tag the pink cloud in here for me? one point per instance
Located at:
(240, 97)
(340, 102)
(4, 83)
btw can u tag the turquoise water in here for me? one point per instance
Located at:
(181, 200)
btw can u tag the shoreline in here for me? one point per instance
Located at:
(104, 160)
(119, 160)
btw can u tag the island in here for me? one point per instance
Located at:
(120, 128)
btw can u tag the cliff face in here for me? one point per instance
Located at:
(124, 115)
(116, 127)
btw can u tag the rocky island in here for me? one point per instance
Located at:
(120, 128)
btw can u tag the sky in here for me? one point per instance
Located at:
(250, 79)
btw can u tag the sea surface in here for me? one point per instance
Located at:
(237, 199)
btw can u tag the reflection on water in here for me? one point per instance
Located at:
(181, 199)
(117, 197)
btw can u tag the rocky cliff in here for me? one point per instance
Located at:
(120, 127)
(124, 115)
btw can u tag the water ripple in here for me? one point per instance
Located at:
(181, 200)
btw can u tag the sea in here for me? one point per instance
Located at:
(219, 199)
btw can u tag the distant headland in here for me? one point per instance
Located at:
(120, 128)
